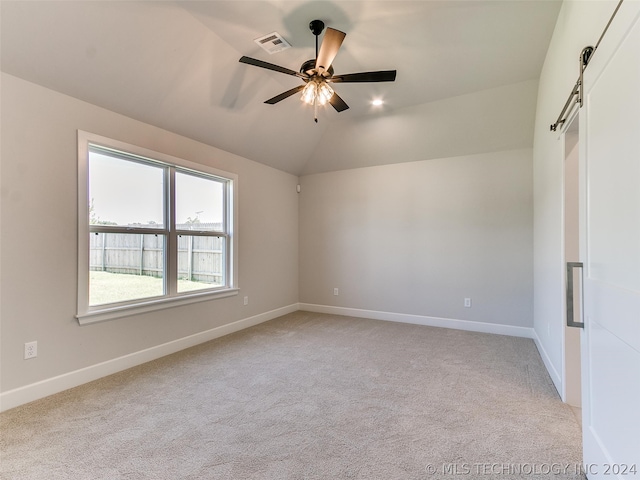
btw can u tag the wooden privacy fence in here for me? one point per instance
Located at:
(200, 258)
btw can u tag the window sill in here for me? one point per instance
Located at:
(107, 313)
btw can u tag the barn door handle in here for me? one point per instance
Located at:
(570, 320)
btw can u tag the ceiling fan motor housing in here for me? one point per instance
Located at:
(309, 66)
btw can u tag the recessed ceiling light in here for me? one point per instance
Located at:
(377, 102)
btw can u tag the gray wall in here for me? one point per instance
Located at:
(39, 208)
(579, 24)
(417, 238)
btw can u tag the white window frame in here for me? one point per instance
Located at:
(91, 314)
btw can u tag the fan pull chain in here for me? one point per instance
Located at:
(315, 109)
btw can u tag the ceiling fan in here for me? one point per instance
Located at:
(318, 73)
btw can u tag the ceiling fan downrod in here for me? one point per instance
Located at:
(316, 27)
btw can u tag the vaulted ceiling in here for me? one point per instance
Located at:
(466, 82)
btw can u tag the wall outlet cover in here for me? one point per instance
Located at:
(30, 350)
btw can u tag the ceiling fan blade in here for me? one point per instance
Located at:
(282, 96)
(381, 76)
(271, 66)
(329, 49)
(337, 103)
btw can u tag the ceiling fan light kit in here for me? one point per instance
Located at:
(316, 91)
(318, 73)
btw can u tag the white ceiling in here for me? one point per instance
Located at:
(466, 80)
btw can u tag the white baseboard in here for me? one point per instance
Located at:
(553, 373)
(44, 388)
(482, 327)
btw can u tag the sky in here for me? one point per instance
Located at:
(128, 192)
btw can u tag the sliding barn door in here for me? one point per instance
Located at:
(610, 150)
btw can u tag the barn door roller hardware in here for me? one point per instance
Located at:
(585, 56)
(577, 92)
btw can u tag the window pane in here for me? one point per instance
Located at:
(199, 203)
(201, 262)
(123, 192)
(125, 267)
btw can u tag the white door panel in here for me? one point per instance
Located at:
(624, 323)
(613, 391)
(610, 238)
(614, 150)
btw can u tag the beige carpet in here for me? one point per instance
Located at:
(308, 396)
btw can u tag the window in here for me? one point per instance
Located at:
(153, 230)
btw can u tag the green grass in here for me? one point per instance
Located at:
(108, 287)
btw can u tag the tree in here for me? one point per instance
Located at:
(95, 219)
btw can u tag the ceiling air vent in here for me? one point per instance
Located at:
(273, 42)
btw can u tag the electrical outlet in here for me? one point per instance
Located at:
(30, 350)
(335, 291)
(246, 300)
(467, 303)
